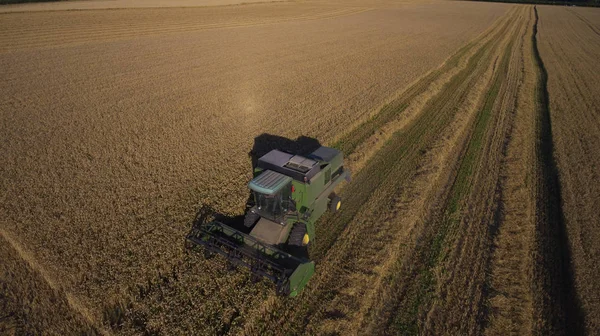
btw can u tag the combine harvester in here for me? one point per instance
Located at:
(290, 194)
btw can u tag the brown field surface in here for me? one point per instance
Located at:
(120, 4)
(471, 130)
(569, 47)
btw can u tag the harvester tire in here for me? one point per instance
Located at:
(250, 219)
(297, 235)
(335, 202)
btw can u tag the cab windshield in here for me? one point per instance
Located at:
(275, 206)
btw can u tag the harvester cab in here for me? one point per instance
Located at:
(290, 193)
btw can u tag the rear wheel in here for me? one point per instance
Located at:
(335, 202)
(298, 235)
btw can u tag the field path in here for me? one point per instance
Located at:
(28, 287)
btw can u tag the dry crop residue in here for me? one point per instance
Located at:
(569, 44)
(471, 130)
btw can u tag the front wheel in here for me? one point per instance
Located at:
(251, 218)
(298, 236)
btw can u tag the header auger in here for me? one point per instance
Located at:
(290, 193)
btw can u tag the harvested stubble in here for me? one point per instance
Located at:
(569, 44)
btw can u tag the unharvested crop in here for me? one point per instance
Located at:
(458, 121)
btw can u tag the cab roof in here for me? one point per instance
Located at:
(269, 182)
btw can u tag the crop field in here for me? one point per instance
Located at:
(471, 130)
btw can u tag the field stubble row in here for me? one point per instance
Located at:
(493, 272)
(419, 276)
(467, 212)
(509, 269)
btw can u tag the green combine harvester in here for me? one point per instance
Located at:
(290, 194)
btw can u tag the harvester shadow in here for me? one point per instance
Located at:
(264, 143)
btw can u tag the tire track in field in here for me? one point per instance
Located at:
(374, 233)
(556, 307)
(17, 39)
(74, 303)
